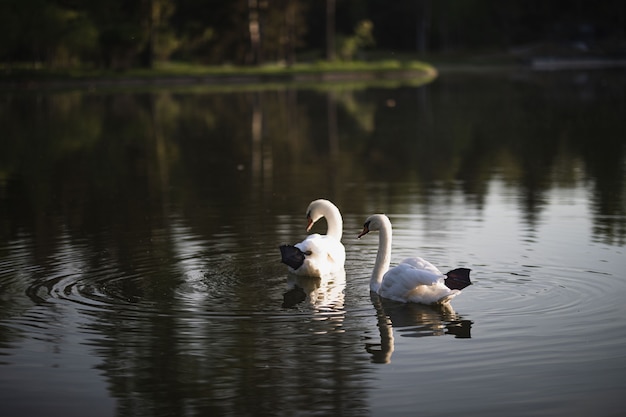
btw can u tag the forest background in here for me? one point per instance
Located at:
(124, 34)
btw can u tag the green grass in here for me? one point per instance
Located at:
(182, 69)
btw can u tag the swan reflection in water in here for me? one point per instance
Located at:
(322, 293)
(412, 320)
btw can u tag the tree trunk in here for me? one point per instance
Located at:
(422, 25)
(146, 57)
(254, 28)
(330, 30)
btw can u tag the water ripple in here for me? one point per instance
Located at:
(535, 290)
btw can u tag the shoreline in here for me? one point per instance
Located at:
(415, 72)
(28, 80)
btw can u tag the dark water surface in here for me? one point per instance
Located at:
(139, 263)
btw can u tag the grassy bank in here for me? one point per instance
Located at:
(178, 72)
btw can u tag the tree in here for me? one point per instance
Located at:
(160, 39)
(362, 38)
(40, 31)
(330, 30)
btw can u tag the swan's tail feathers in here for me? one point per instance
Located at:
(457, 279)
(291, 256)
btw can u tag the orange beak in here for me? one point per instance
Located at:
(364, 232)
(309, 224)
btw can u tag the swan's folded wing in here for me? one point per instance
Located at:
(420, 263)
(406, 276)
(335, 250)
(321, 249)
(407, 283)
(312, 246)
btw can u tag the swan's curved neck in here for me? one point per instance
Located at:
(334, 221)
(383, 257)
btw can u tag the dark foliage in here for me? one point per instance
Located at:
(127, 33)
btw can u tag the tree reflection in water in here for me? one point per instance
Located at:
(99, 192)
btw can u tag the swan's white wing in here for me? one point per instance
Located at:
(408, 282)
(409, 276)
(323, 248)
(421, 263)
(323, 255)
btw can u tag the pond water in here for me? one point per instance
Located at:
(140, 273)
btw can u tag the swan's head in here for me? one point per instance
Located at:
(373, 223)
(316, 211)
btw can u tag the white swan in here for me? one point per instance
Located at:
(318, 255)
(414, 280)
